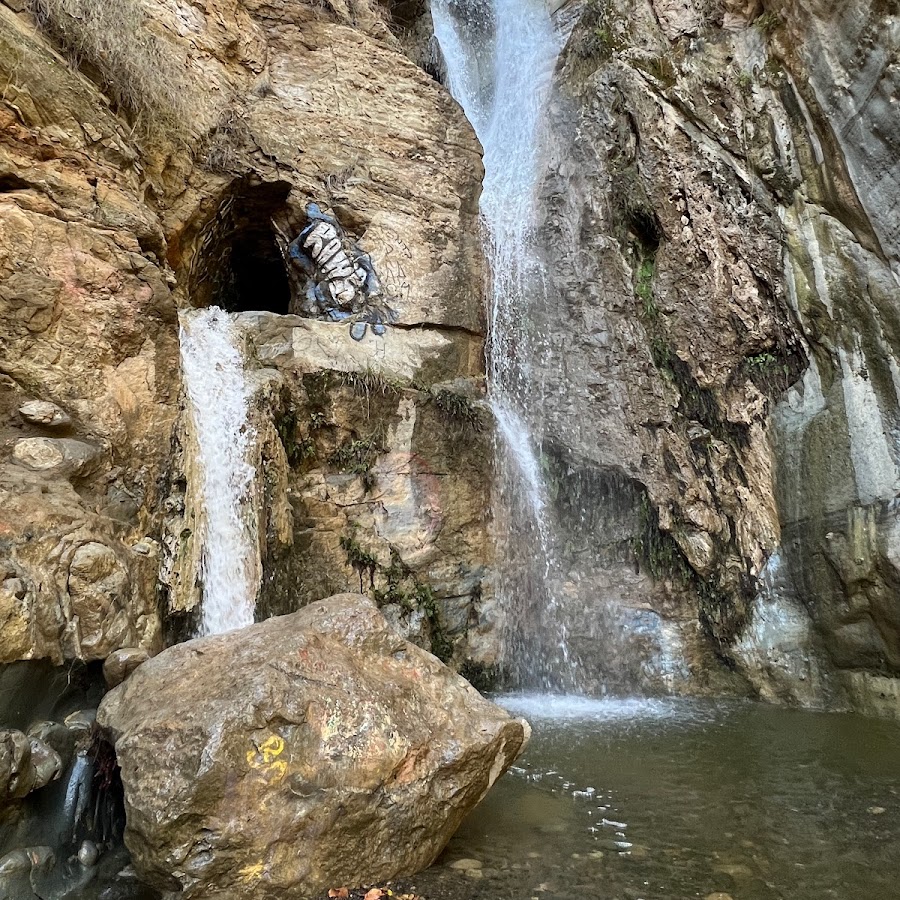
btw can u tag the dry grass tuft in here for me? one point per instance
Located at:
(110, 41)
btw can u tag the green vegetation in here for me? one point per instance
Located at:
(659, 67)
(296, 450)
(768, 372)
(657, 550)
(744, 81)
(358, 456)
(644, 286)
(109, 39)
(458, 409)
(401, 587)
(722, 614)
(767, 22)
(371, 381)
(361, 560)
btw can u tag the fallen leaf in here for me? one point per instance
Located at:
(374, 894)
(340, 893)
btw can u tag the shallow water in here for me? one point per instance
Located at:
(664, 800)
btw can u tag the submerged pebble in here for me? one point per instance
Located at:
(88, 853)
(466, 864)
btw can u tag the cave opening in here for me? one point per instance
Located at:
(259, 280)
(239, 264)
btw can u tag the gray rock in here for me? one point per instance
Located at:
(45, 761)
(56, 735)
(121, 663)
(26, 764)
(358, 330)
(58, 456)
(82, 720)
(42, 412)
(17, 775)
(88, 853)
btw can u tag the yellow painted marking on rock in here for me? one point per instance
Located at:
(252, 871)
(264, 758)
(271, 748)
(266, 752)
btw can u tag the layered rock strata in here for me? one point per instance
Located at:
(725, 276)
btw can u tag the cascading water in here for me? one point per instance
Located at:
(219, 397)
(500, 57)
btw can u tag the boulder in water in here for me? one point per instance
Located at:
(26, 763)
(307, 751)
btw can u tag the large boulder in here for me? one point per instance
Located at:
(310, 750)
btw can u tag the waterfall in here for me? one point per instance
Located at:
(500, 56)
(218, 396)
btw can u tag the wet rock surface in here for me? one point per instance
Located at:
(26, 764)
(364, 751)
(721, 269)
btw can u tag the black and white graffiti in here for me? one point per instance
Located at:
(340, 280)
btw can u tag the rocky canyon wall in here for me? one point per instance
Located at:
(722, 399)
(150, 155)
(719, 221)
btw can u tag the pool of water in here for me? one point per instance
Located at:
(664, 800)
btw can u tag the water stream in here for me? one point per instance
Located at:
(628, 799)
(218, 394)
(500, 56)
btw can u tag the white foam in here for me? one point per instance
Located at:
(218, 395)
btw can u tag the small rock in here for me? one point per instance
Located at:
(876, 810)
(121, 663)
(81, 720)
(146, 547)
(46, 763)
(42, 412)
(464, 864)
(378, 329)
(88, 854)
(63, 456)
(16, 772)
(19, 861)
(718, 895)
(57, 736)
(358, 330)
(15, 863)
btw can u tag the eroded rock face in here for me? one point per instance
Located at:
(310, 750)
(106, 230)
(724, 268)
(89, 384)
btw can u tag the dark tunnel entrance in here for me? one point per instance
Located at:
(259, 280)
(239, 264)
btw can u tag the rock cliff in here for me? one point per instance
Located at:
(720, 180)
(152, 156)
